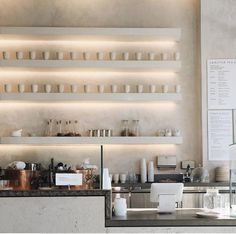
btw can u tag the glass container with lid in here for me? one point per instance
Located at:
(125, 128)
(135, 128)
(212, 199)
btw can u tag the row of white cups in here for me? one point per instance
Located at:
(60, 55)
(87, 88)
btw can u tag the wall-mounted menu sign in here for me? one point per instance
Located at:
(220, 134)
(222, 84)
(221, 103)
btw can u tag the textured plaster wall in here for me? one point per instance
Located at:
(106, 13)
(218, 19)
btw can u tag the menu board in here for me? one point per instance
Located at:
(220, 134)
(222, 84)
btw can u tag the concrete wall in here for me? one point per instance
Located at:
(218, 22)
(106, 13)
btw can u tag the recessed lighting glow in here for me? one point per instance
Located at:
(85, 43)
(24, 73)
(9, 105)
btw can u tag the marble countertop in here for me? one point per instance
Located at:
(182, 217)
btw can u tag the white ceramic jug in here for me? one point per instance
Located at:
(120, 206)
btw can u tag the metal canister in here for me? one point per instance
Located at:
(96, 133)
(103, 132)
(90, 131)
(108, 132)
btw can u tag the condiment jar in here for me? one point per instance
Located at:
(125, 128)
(212, 199)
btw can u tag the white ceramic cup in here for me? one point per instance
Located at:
(152, 88)
(126, 55)
(138, 55)
(164, 56)
(176, 132)
(19, 55)
(86, 55)
(87, 88)
(127, 88)
(61, 88)
(6, 55)
(177, 88)
(32, 55)
(60, 55)
(123, 178)
(114, 88)
(168, 132)
(21, 88)
(101, 88)
(74, 88)
(116, 178)
(161, 132)
(8, 88)
(112, 55)
(48, 88)
(151, 56)
(139, 88)
(73, 55)
(46, 55)
(165, 88)
(100, 55)
(34, 88)
(111, 177)
(176, 56)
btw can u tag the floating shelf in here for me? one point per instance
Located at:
(93, 97)
(62, 33)
(90, 140)
(172, 66)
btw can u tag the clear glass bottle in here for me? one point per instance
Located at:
(125, 128)
(59, 128)
(48, 130)
(212, 199)
(76, 128)
(66, 128)
(71, 129)
(135, 128)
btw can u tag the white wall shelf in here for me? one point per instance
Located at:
(90, 97)
(90, 140)
(65, 33)
(171, 66)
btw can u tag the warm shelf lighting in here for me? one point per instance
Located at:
(25, 73)
(9, 105)
(85, 43)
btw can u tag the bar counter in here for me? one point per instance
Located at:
(182, 217)
(63, 193)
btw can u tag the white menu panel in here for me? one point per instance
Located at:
(221, 83)
(220, 134)
(65, 179)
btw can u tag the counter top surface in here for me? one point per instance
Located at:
(182, 217)
(194, 184)
(52, 193)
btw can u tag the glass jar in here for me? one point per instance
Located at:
(59, 128)
(212, 199)
(48, 130)
(125, 128)
(135, 128)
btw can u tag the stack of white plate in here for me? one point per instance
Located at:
(222, 174)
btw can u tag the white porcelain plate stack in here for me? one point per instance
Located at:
(222, 174)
